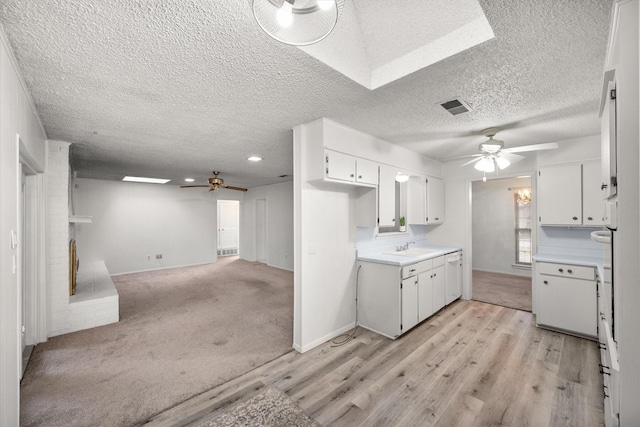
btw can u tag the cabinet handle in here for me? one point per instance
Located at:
(435, 274)
(560, 270)
(545, 282)
(351, 175)
(437, 219)
(575, 218)
(603, 186)
(569, 271)
(360, 177)
(413, 270)
(590, 218)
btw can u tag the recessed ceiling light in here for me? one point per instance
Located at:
(189, 179)
(254, 158)
(145, 180)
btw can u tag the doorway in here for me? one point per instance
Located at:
(502, 242)
(228, 229)
(261, 230)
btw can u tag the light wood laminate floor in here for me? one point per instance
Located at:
(471, 364)
(506, 290)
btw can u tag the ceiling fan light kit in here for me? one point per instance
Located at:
(297, 22)
(493, 153)
(215, 183)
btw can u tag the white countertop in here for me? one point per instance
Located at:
(379, 256)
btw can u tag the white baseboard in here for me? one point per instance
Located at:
(304, 348)
(162, 268)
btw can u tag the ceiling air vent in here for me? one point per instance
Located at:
(456, 106)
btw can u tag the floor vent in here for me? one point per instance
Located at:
(227, 252)
(456, 106)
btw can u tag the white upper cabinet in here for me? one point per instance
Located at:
(340, 166)
(343, 167)
(435, 200)
(560, 195)
(366, 171)
(417, 200)
(570, 195)
(387, 196)
(592, 200)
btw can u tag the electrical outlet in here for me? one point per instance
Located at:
(158, 256)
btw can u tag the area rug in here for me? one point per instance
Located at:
(270, 407)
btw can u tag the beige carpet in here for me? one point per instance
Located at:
(182, 331)
(502, 289)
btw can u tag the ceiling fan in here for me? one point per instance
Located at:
(215, 183)
(493, 154)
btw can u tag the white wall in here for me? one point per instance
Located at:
(325, 227)
(132, 221)
(493, 222)
(17, 117)
(279, 200)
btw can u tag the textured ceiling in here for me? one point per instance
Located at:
(178, 88)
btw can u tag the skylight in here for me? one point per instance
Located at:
(375, 45)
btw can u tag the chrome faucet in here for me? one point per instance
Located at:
(403, 247)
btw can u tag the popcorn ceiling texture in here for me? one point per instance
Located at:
(178, 88)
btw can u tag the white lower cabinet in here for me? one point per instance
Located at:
(409, 308)
(394, 299)
(567, 298)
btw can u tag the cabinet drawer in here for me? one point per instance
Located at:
(417, 268)
(437, 262)
(566, 270)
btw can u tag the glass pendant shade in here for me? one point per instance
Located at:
(485, 165)
(502, 162)
(297, 22)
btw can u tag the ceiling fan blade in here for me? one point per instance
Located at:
(478, 158)
(513, 158)
(234, 188)
(459, 157)
(193, 186)
(535, 147)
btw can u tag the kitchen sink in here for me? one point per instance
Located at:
(413, 252)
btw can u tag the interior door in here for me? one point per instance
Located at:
(21, 263)
(228, 227)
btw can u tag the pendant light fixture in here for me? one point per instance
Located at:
(297, 22)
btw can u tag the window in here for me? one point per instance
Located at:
(523, 226)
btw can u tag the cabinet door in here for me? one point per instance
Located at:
(567, 304)
(439, 287)
(340, 166)
(417, 200)
(387, 196)
(592, 202)
(560, 195)
(409, 303)
(435, 201)
(366, 172)
(425, 295)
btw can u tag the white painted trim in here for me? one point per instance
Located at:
(467, 286)
(160, 268)
(322, 340)
(14, 64)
